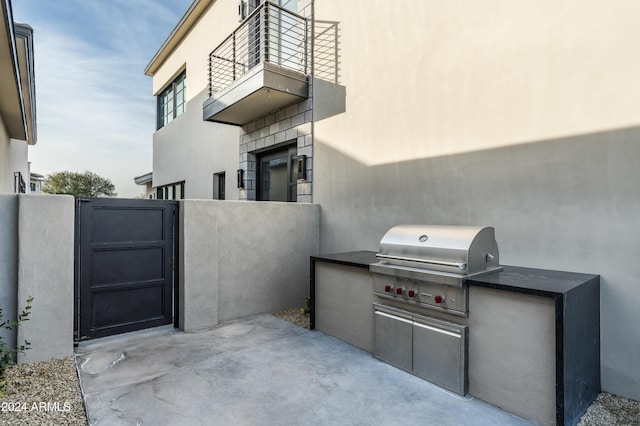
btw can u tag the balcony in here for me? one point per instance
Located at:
(260, 67)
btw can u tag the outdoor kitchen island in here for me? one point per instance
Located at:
(533, 335)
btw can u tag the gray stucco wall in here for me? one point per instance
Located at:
(568, 204)
(191, 150)
(45, 271)
(6, 174)
(8, 262)
(239, 258)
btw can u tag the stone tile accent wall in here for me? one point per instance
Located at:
(291, 124)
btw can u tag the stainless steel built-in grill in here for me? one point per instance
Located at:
(428, 265)
(421, 269)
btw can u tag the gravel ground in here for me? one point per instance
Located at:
(610, 409)
(294, 316)
(48, 393)
(43, 393)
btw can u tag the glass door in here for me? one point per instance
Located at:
(277, 175)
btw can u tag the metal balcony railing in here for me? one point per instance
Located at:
(19, 185)
(269, 34)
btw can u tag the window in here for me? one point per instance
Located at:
(219, 183)
(174, 191)
(278, 175)
(171, 101)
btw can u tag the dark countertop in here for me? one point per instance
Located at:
(538, 282)
(359, 259)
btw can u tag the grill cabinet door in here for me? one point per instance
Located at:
(440, 353)
(392, 338)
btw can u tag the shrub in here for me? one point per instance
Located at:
(8, 354)
(307, 308)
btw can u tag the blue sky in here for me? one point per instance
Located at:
(95, 108)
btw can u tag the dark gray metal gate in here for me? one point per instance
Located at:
(124, 265)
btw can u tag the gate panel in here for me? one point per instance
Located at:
(124, 258)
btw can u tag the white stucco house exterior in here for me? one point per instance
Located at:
(521, 116)
(17, 102)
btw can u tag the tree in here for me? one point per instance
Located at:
(85, 184)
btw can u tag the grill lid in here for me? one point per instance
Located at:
(461, 250)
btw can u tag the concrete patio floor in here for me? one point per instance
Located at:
(259, 370)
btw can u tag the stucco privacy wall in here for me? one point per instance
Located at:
(239, 258)
(519, 115)
(8, 262)
(45, 271)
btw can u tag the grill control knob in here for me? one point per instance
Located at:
(439, 299)
(399, 290)
(411, 293)
(388, 288)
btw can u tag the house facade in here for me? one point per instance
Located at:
(36, 181)
(234, 153)
(521, 116)
(190, 156)
(146, 182)
(17, 102)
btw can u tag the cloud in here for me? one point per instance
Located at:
(93, 114)
(95, 109)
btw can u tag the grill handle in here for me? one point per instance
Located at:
(459, 265)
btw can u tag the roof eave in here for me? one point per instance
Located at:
(24, 40)
(187, 21)
(144, 179)
(12, 105)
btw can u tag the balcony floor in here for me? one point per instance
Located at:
(262, 90)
